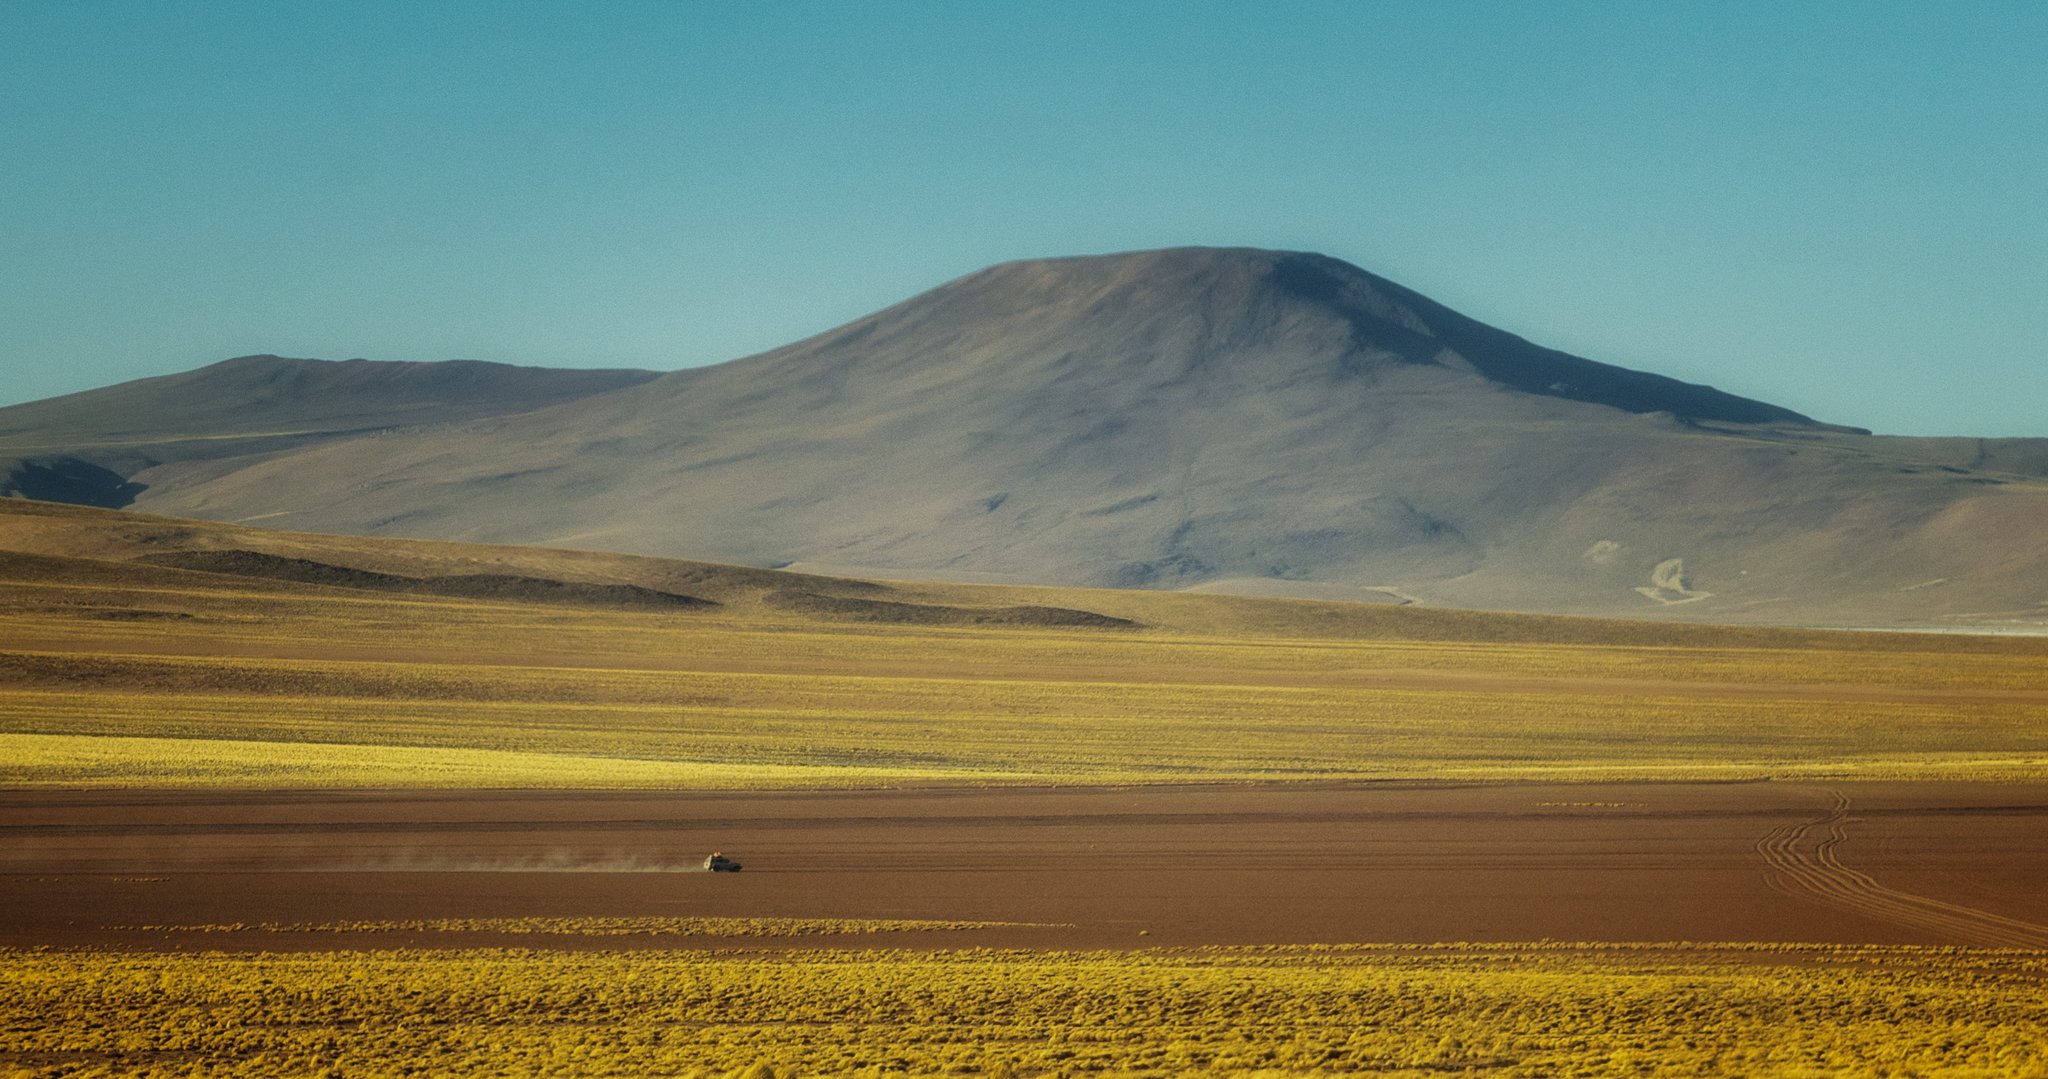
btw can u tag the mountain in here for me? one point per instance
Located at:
(1224, 419)
(82, 447)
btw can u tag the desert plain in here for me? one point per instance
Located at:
(1089, 867)
(291, 803)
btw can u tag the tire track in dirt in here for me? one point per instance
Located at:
(1804, 861)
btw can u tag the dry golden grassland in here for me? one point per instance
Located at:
(230, 681)
(117, 672)
(1544, 1010)
(603, 927)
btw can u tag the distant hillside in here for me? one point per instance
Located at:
(52, 543)
(1215, 419)
(82, 447)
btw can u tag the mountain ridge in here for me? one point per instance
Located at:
(251, 395)
(1195, 417)
(1386, 320)
(84, 447)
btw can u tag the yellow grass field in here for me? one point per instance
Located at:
(1539, 1010)
(116, 673)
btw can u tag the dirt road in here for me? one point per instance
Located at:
(1846, 863)
(1805, 860)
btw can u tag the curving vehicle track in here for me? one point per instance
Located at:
(1804, 861)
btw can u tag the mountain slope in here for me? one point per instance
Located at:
(1223, 419)
(51, 544)
(82, 447)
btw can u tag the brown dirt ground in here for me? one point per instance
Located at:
(1187, 865)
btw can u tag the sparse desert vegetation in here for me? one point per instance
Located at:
(1554, 1010)
(598, 927)
(537, 929)
(125, 673)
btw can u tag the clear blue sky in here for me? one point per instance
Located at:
(1839, 207)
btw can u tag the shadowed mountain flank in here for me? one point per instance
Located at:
(66, 479)
(1215, 418)
(1386, 317)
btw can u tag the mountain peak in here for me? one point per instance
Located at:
(1189, 417)
(1253, 297)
